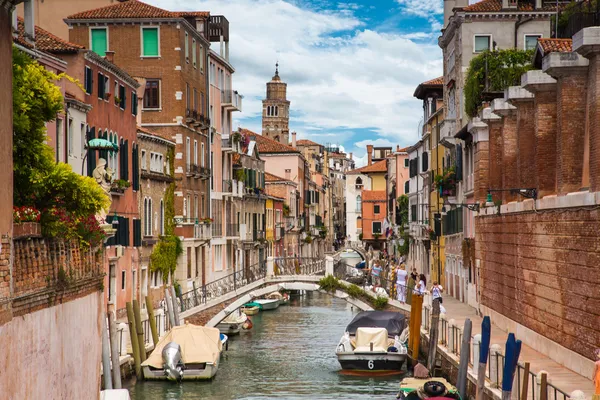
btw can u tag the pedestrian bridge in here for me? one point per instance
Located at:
(211, 303)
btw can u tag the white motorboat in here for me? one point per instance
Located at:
(284, 299)
(372, 343)
(233, 323)
(187, 352)
(268, 304)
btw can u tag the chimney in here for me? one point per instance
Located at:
(369, 154)
(351, 156)
(293, 140)
(110, 56)
(398, 148)
(28, 20)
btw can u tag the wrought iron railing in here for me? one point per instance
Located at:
(576, 16)
(222, 286)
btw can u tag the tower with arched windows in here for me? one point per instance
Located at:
(276, 107)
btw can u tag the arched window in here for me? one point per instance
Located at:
(359, 183)
(149, 221)
(276, 111)
(359, 223)
(358, 203)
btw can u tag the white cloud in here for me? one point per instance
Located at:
(423, 8)
(357, 79)
(377, 143)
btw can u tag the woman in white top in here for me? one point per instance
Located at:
(436, 292)
(401, 277)
(421, 288)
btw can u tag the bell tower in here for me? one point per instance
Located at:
(276, 110)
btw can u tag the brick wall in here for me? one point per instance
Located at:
(510, 173)
(594, 121)
(495, 155)
(571, 106)
(481, 171)
(47, 272)
(6, 132)
(526, 144)
(545, 141)
(543, 271)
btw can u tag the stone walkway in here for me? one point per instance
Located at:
(559, 376)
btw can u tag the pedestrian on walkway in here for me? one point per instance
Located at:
(422, 286)
(414, 275)
(436, 291)
(401, 281)
(376, 273)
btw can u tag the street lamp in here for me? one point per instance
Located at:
(115, 220)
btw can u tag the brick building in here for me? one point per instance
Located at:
(538, 257)
(276, 110)
(170, 51)
(286, 190)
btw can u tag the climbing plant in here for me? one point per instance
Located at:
(403, 248)
(494, 71)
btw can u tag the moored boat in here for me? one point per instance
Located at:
(233, 323)
(372, 343)
(284, 299)
(187, 352)
(251, 308)
(427, 388)
(268, 304)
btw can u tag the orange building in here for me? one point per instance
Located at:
(374, 211)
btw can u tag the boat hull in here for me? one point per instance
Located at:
(189, 374)
(371, 362)
(229, 329)
(250, 310)
(268, 305)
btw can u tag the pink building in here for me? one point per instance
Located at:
(226, 190)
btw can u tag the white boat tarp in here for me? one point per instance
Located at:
(236, 317)
(115, 394)
(199, 344)
(366, 336)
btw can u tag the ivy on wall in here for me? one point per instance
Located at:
(494, 71)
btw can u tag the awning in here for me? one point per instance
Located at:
(102, 144)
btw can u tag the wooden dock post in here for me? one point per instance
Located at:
(169, 305)
(175, 307)
(135, 349)
(114, 351)
(511, 358)
(105, 355)
(139, 330)
(464, 359)
(525, 387)
(152, 320)
(484, 350)
(417, 300)
(433, 334)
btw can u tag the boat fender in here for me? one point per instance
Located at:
(345, 343)
(434, 388)
(392, 349)
(248, 324)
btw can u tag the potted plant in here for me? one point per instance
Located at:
(445, 183)
(107, 96)
(117, 100)
(207, 221)
(240, 175)
(119, 186)
(360, 236)
(323, 232)
(376, 236)
(26, 222)
(308, 239)
(236, 137)
(431, 233)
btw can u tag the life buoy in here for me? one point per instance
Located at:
(434, 388)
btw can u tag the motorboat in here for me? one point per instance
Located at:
(250, 308)
(374, 341)
(284, 299)
(427, 388)
(268, 304)
(187, 352)
(233, 323)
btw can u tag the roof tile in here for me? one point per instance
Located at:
(266, 145)
(45, 41)
(373, 195)
(496, 6)
(134, 9)
(551, 45)
(274, 178)
(379, 166)
(434, 82)
(306, 142)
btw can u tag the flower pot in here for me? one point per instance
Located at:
(27, 229)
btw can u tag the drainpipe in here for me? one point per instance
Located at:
(518, 23)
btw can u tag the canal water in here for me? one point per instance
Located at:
(288, 354)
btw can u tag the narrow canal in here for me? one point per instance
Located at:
(288, 354)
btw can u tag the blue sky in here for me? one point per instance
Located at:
(351, 66)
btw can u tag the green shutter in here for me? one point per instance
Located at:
(99, 41)
(150, 38)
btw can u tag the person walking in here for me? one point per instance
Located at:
(401, 281)
(422, 286)
(376, 273)
(436, 292)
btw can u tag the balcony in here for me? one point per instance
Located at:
(231, 100)
(192, 228)
(191, 170)
(227, 186)
(258, 235)
(229, 145)
(245, 233)
(218, 28)
(575, 17)
(217, 229)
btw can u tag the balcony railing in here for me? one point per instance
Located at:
(231, 99)
(217, 229)
(227, 186)
(576, 16)
(218, 28)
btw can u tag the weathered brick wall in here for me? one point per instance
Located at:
(526, 144)
(510, 173)
(593, 104)
(542, 270)
(545, 145)
(47, 271)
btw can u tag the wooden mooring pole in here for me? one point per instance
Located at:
(433, 333)
(463, 367)
(139, 330)
(106, 355)
(114, 351)
(152, 320)
(135, 349)
(484, 350)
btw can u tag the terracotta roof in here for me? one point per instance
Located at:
(274, 178)
(404, 149)
(266, 145)
(373, 195)
(45, 41)
(144, 130)
(236, 158)
(337, 155)
(134, 9)
(306, 142)
(549, 45)
(496, 6)
(379, 166)
(434, 82)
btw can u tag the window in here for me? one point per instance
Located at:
(376, 209)
(188, 206)
(359, 183)
(406, 163)
(88, 80)
(194, 52)
(99, 37)
(134, 103)
(531, 41)
(187, 153)
(61, 140)
(376, 227)
(187, 96)
(406, 187)
(152, 94)
(123, 280)
(161, 226)
(481, 43)
(202, 155)
(156, 162)
(106, 87)
(358, 204)
(187, 48)
(195, 100)
(70, 137)
(452, 103)
(101, 86)
(196, 207)
(201, 57)
(413, 212)
(150, 44)
(83, 140)
(122, 96)
(195, 152)
(143, 159)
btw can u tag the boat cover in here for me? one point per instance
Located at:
(115, 394)
(235, 317)
(392, 321)
(199, 344)
(366, 336)
(253, 304)
(275, 295)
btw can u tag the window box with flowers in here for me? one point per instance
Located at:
(119, 186)
(207, 221)
(26, 222)
(446, 183)
(431, 233)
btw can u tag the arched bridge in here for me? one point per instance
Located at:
(211, 303)
(358, 249)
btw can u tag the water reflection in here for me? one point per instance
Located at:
(289, 354)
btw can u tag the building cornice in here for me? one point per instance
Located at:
(223, 61)
(114, 69)
(155, 138)
(78, 104)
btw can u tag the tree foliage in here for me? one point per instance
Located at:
(164, 256)
(494, 71)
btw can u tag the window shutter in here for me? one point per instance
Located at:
(91, 156)
(100, 86)
(99, 42)
(135, 167)
(436, 224)
(112, 240)
(134, 103)
(150, 39)
(459, 164)
(125, 165)
(137, 233)
(127, 232)
(406, 187)
(425, 162)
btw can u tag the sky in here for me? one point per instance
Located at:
(351, 66)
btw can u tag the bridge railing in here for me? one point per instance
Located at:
(298, 266)
(222, 286)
